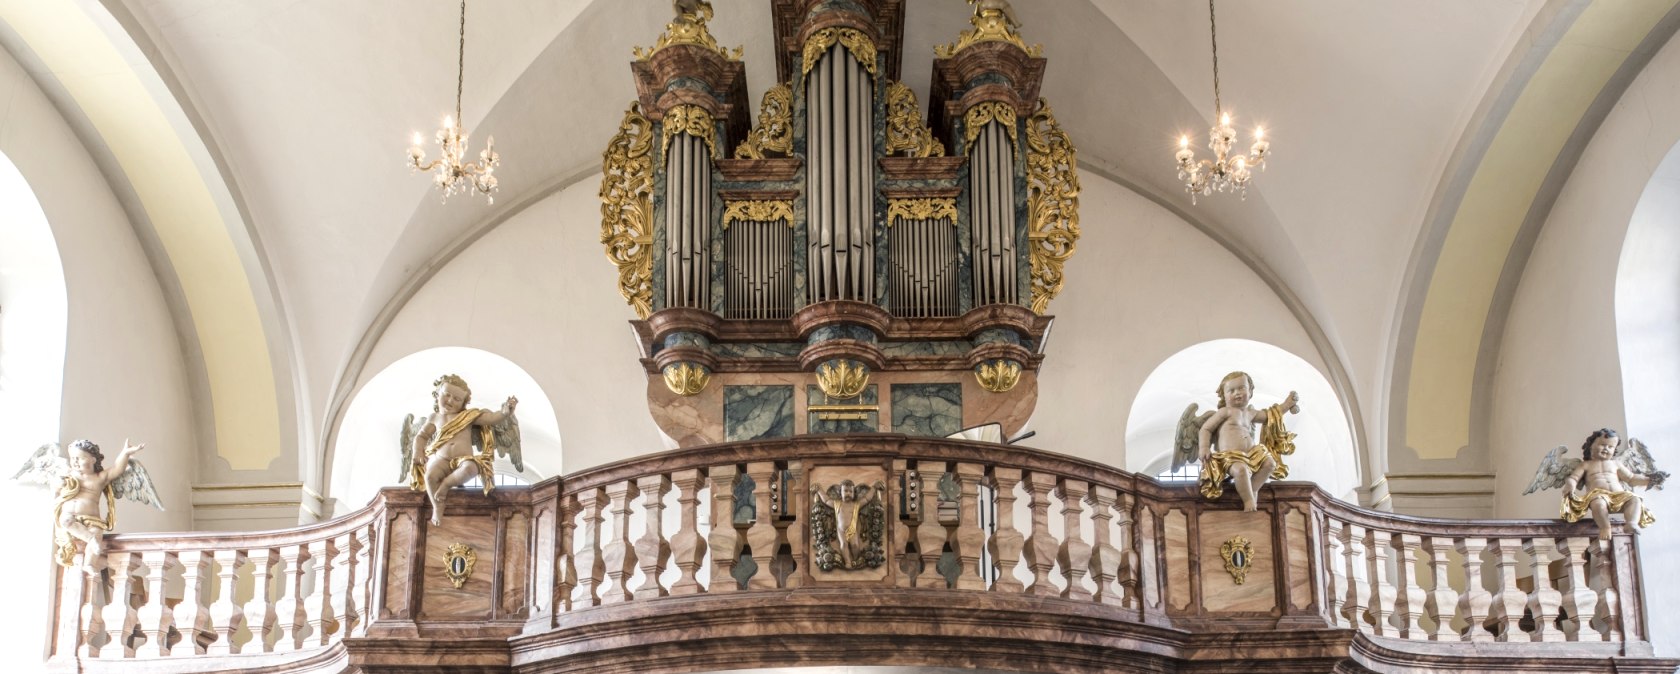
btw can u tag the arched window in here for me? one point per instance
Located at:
(368, 454)
(1324, 451)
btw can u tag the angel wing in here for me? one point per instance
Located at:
(508, 443)
(1637, 459)
(411, 426)
(1554, 469)
(136, 485)
(1188, 435)
(47, 466)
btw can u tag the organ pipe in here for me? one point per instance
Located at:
(840, 179)
(992, 216)
(688, 214)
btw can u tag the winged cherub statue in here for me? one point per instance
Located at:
(1609, 476)
(456, 443)
(1223, 439)
(848, 521)
(82, 478)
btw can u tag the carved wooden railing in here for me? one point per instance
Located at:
(628, 566)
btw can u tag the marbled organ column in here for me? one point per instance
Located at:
(840, 178)
(688, 217)
(991, 180)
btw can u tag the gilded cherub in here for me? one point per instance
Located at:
(82, 478)
(1594, 484)
(847, 525)
(439, 452)
(1223, 439)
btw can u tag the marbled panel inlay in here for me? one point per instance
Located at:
(472, 600)
(1178, 559)
(1219, 591)
(927, 409)
(753, 412)
(1300, 582)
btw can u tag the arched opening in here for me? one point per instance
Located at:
(368, 453)
(1324, 452)
(34, 323)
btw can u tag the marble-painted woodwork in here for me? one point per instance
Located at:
(1300, 580)
(1219, 592)
(1178, 559)
(927, 409)
(753, 412)
(400, 543)
(440, 599)
(515, 553)
(870, 423)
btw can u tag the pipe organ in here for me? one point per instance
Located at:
(849, 261)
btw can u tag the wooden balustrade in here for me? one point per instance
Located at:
(1102, 542)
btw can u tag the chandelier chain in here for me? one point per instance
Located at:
(1213, 27)
(461, 64)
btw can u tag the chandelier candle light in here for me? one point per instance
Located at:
(449, 173)
(1224, 172)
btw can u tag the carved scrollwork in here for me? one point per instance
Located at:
(689, 27)
(1239, 557)
(627, 208)
(775, 126)
(842, 379)
(982, 114)
(861, 47)
(998, 376)
(993, 22)
(921, 209)
(905, 130)
(763, 211)
(1052, 203)
(692, 120)
(686, 379)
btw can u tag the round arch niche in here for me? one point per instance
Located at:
(1324, 451)
(368, 455)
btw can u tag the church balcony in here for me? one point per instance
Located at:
(990, 556)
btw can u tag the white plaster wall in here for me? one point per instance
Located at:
(123, 369)
(1559, 374)
(1154, 285)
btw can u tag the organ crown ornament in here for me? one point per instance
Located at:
(852, 252)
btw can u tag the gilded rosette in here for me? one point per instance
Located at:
(775, 126)
(998, 376)
(905, 131)
(762, 211)
(692, 120)
(627, 208)
(842, 379)
(861, 47)
(1052, 204)
(982, 114)
(990, 25)
(921, 209)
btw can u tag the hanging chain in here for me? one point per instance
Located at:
(1212, 26)
(461, 66)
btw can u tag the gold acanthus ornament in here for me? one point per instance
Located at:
(905, 131)
(993, 21)
(1052, 204)
(977, 117)
(1239, 557)
(842, 379)
(921, 209)
(861, 47)
(686, 379)
(689, 27)
(692, 120)
(761, 211)
(627, 208)
(775, 126)
(998, 376)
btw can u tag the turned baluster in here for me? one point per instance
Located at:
(934, 531)
(762, 535)
(1358, 574)
(1074, 554)
(1508, 603)
(567, 579)
(156, 617)
(1337, 582)
(591, 568)
(790, 525)
(365, 537)
(970, 540)
(1409, 610)
(653, 552)
(225, 616)
(260, 611)
(1603, 569)
(316, 608)
(92, 618)
(1040, 552)
(619, 557)
(289, 609)
(1544, 601)
(1382, 592)
(1105, 558)
(72, 594)
(1580, 602)
(343, 579)
(1476, 600)
(724, 543)
(686, 549)
(1442, 601)
(120, 618)
(1006, 543)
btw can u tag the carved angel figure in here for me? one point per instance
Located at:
(847, 525)
(1601, 480)
(456, 444)
(81, 477)
(1223, 440)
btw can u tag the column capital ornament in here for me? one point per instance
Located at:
(765, 211)
(861, 47)
(692, 120)
(921, 209)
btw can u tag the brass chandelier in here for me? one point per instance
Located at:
(1224, 173)
(449, 173)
